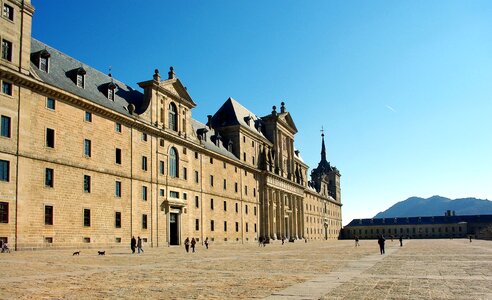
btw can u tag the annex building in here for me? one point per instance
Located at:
(87, 161)
(447, 226)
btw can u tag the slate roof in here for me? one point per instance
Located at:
(421, 220)
(209, 143)
(61, 68)
(232, 113)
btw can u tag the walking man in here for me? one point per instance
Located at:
(381, 241)
(139, 245)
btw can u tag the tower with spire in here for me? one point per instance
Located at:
(325, 178)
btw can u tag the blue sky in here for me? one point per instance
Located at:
(402, 88)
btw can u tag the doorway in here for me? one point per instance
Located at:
(173, 229)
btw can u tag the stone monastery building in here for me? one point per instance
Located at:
(87, 161)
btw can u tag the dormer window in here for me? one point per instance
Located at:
(44, 57)
(111, 89)
(80, 79)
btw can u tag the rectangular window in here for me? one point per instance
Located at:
(50, 138)
(144, 163)
(88, 116)
(185, 196)
(197, 203)
(237, 207)
(211, 160)
(8, 12)
(185, 173)
(161, 142)
(244, 156)
(161, 167)
(255, 227)
(4, 212)
(43, 64)
(196, 155)
(225, 184)
(237, 226)
(254, 210)
(211, 180)
(225, 205)
(224, 164)
(48, 215)
(87, 148)
(7, 50)
(173, 194)
(225, 225)
(212, 203)
(196, 176)
(162, 192)
(117, 189)
(80, 80)
(4, 170)
(87, 183)
(235, 187)
(246, 190)
(49, 177)
(246, 209)
(7, 88)
(50, 103)
(144, 136)
(246, 227)
(144, 221)
(197, 224)
(87, 217)
(254, 192)
(211, 225)
(144, 193)
(118, 156)
(117, 127)
(5, 126)
(117, 219)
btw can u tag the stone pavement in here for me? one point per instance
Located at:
(421, 269)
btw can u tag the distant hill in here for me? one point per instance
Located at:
(436, 206)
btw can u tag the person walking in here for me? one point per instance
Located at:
(357, 241)
(187, 244)
(133, 244)
(139, 245)
(193, 243)
(381, 241)
(401, 241)
(206, 242)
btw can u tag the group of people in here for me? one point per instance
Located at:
(192, 243)
(134, 244)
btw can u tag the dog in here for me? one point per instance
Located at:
(101, 252)
(76, 253)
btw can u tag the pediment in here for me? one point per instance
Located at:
(287, 119)
(176, 88)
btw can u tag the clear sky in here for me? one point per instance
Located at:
(402, 88)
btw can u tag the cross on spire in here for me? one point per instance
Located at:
(323, 149)
(322, 131)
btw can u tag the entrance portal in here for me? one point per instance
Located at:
(173, 229)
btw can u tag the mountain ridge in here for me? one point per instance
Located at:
(437, 206)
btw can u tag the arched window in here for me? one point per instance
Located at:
(173, 162)
(173, 117)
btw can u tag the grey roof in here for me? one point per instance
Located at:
(210, 142)
(61, 68)
(232, 113)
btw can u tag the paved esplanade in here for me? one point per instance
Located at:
(421, 269)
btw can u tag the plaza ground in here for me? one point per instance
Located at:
(421, 269)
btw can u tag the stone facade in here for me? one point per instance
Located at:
(86, 161)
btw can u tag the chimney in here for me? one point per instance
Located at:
(209, 121)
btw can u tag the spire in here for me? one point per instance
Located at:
(323, 149)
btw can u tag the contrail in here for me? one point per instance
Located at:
(390, 108)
